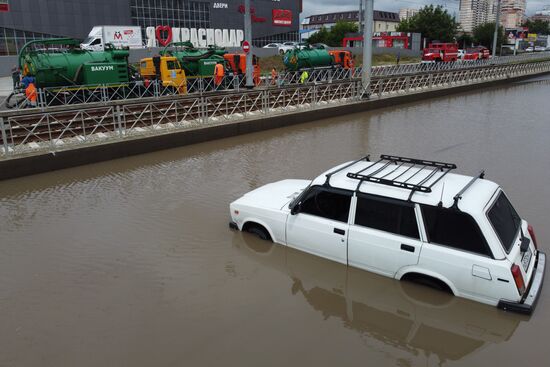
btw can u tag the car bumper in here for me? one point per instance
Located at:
(529, 301)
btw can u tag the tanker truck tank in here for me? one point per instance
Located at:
(307, 58)
(72, 66)
(195, 61)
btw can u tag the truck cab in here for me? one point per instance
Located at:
(236, 63)
(166, 69)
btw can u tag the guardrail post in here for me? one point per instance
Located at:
(4, 135)
(118, 115)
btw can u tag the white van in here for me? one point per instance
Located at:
(407, 219)
(118, 36)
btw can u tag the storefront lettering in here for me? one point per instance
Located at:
(201, 37)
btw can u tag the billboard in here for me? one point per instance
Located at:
(282, 17)
(4, 6)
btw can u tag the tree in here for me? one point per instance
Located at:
(538, 26)
(465, 40)
(432, 22)
(483, 35)
(339, 31)
(321, 36)
(335, 35)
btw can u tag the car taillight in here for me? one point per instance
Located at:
(518, 278)
(532, 234)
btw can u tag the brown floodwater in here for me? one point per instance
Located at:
(131, 262)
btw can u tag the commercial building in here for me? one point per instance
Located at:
(25, 20)
(543, 15)
(406, 13)
(384, 21)
(512, 13)
(475, 12)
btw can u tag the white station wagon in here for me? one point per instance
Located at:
(407, 219)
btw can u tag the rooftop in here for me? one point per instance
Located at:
(403, 179)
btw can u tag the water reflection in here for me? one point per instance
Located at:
(405, 316)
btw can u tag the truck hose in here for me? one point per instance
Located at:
(17, 103)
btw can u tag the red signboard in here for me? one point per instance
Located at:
(4, 7)
(282, 17)
(246, 46)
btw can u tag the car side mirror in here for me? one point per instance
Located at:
(296, 209)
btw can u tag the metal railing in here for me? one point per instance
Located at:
(59, 128)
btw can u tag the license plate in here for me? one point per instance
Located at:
(526, 259)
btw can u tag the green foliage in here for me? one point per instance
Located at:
(334, 36)
(538, 26)
(465, 40)
(432, 22)
(483, 35)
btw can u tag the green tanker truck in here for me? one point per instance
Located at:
(56, 70)
(195, 61)
(72, 66)
(307, 58)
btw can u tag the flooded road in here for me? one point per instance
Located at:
(131, 262)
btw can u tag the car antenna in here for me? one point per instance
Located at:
(440, 204)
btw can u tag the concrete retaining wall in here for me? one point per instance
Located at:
(38, 163)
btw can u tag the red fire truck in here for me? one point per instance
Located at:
(476, 53)
(440, 52)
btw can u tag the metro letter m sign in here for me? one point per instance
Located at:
(282, 17)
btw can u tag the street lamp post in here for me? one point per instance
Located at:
(367, 44)
(248, 37)
(495, 36)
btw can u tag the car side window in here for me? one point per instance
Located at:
(386, 215)
(327, 203)
(455, 229)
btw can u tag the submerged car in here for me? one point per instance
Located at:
(408, 219)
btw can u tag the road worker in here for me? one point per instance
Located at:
(274, 76)
(304, 77)
(31, 93)
(218, 74)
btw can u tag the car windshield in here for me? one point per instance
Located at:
(88, 40)
(505, 221)
(289, 43)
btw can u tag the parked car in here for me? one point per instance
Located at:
(540, 48)
(529, 49)
(407, 219)
(287, 46)
(320, 46)
(272, 45)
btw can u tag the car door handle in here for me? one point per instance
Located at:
(407, 247)
(339, 231)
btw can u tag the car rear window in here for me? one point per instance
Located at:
(505, 221)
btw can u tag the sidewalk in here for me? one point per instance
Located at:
(6, 86)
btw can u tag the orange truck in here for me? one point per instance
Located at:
(236, 63)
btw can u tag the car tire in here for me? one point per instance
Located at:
(281, 52)
(260, 232)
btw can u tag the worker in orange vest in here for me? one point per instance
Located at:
(274, 76)
(218, 74)
(31, 93)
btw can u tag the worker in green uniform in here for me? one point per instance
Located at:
(304, 77)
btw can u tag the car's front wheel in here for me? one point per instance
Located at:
(257, 230)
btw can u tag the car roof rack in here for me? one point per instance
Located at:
(414, 167)
(329, 175)
(458, 196)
